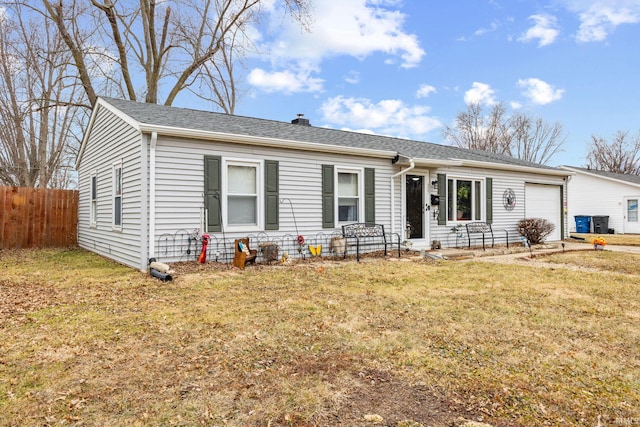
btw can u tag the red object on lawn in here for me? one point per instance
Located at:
(202, 258)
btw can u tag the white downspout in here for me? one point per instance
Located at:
(152, 193)
(393, 197)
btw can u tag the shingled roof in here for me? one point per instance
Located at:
(627, 178)
(206, 121)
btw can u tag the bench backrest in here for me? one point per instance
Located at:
(478, 227)
(363, 230)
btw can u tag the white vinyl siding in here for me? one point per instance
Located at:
(180, 186)
(503, 219)
(596, 196)
(112, 140)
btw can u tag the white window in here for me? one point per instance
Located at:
(464, 199)
(632, 210)
(93, 210)
(117, 195)
(349, 195)
(243, 185)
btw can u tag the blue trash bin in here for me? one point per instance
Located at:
(583, 223)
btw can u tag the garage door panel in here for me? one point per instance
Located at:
(543, 201)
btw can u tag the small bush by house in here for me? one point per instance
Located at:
(535, 230)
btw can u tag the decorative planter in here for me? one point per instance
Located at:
(269, 251)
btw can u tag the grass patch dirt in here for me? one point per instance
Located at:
(614, 262)
(86, 341)
(612, 239)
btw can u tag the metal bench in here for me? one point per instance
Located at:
(368, 234)
(484, 229)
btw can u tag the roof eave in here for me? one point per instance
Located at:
(264, 141)
(94, 112)
(515, 168)
(595, 175)
(425, 162)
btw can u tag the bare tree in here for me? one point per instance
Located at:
(518, 136)
(535, 140)
(621, 155)
(174, 45)
(476, 131)
(38, 97)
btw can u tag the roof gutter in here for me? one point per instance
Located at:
(573, 171)
(508, 167)
(152, 193)
(264, 141)
(393, 198)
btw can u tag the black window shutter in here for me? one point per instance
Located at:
(442, 192)
(328, 208)
(489, 190)
(369, 195)
(271, 195)
(213, 192)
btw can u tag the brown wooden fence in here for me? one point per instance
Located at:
(38, 218)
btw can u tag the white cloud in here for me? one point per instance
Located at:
(353, 77)
(284, 81)
(544, 30)
(484, 30)
(598, 18)
(425, 90)
(356, 28)
(387, 117)
(539, 92)
(480, 93)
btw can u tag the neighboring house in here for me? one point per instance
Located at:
(148, 172)
(598, 193)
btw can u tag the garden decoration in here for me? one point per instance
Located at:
(193, 237)
(300, 242)
(203, 253)
(599, 243)
(315, 250)
(300, 237)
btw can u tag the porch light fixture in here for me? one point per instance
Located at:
(434, 184)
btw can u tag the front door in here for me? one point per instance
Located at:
(631, 220)
(416, 217)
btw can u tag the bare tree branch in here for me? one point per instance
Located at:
(621, 155)
(519, 136)
(37, 124)
(168, 44)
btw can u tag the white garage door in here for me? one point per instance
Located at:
(543, 201)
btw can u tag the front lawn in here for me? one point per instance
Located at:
(89, 342)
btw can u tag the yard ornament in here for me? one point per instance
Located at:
(203, 253)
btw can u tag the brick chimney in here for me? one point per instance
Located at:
(300, 120)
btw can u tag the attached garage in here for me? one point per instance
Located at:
(545, 201)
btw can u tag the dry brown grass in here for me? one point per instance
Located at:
(612, 239)
(88, 342)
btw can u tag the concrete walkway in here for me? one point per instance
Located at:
(516, 251)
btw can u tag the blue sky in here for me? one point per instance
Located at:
(406, 68)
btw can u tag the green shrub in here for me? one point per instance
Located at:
(535, 230)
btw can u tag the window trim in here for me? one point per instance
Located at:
(474, 197)
(115, 195)
(259, 165)
(359, 171)
(93, 199)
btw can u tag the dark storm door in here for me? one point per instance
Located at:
(415, 206)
